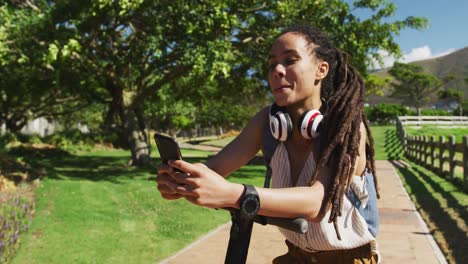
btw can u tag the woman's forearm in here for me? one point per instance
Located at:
(294, 202)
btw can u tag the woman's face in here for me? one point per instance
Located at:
(293, 71)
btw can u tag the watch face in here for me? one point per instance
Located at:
(250, 205)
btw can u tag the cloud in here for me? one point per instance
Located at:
(416, 54)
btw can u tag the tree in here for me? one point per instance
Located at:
(121, 53)
(375, 84)
(30, 83)
(453, 92)
(413, 86)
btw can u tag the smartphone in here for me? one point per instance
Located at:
(168, 148)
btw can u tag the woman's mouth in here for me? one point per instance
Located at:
(283, 88)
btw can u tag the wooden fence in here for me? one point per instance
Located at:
(439, 121)
(441, 155)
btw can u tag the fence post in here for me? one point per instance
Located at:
(433, 154)
(413, 147)
(416, 149)
(426, 147)
(405, 141)
(465, 163)
(420, 149)
(441, 155)
(398, 127)
(452, 157)
(408, 147)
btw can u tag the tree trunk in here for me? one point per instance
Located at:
(138, 139)
(15, 124)
(131, 131)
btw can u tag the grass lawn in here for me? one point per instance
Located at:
(437, 132)
(91, 208)
(219, 142)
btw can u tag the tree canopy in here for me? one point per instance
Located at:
(412, 85)
(172, 64)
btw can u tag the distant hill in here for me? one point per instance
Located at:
(454, 63)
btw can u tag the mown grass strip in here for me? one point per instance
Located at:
(92, 208)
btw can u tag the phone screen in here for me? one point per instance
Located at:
(168, 148)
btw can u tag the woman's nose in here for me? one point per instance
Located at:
(279, 71)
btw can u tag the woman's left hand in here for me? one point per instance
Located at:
(202, 186)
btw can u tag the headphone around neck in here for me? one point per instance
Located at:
(281, 125)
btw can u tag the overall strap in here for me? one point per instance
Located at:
(369, 211)
(268, 149)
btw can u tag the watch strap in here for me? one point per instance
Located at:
(249, 190)
(250, 198)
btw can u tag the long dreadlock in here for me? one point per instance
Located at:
(344, 93)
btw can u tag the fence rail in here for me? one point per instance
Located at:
(442, 155)
(441, 121)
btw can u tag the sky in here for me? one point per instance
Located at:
(447, 31)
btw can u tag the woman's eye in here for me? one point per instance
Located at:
(271, 66)
(291, 61)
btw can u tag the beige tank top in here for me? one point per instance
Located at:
(320, 236)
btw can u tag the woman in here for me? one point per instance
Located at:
(318, 171)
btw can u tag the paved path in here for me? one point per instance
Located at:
(403, 236)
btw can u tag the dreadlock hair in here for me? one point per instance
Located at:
(344, 93)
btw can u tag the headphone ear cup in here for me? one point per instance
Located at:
(310, 125)
(280, 124)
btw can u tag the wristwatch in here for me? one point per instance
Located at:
(250, 203)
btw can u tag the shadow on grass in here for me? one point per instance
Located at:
(60, 164)
(393, 148)
(443, 221)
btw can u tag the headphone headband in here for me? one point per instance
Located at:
(281, 124)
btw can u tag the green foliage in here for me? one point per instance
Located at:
(58, 57)
(361, 38)
(16, 211)
(376, 84)
(385, 113)
(32, 84)
(34, 139)
(169, 113)
(73, 139)
(464, 109)
(451, 94)
(413, 86)
(6, 139)
(433, 112)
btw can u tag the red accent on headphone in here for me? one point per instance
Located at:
(311, 120)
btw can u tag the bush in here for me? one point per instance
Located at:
(6, 139)
(72, 139)
(16, 212)
(433, 112)
(33, 139)
(385, 113)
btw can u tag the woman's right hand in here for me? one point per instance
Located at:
(164, 181)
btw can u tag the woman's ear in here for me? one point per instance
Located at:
(322, 70)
